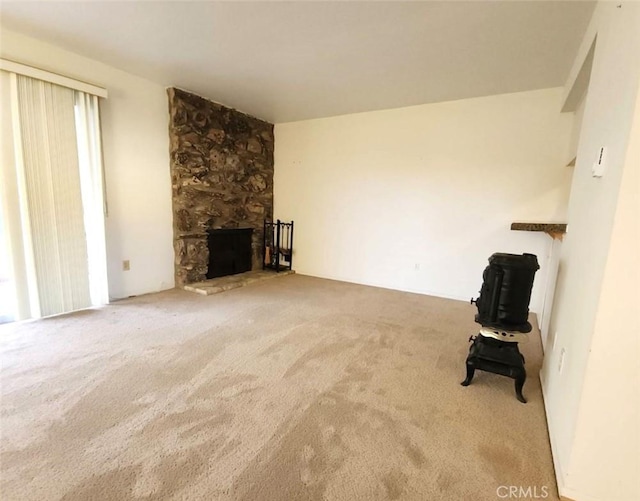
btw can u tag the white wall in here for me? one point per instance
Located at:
(591, 393)
(136, 158)
(608, 423)
(437, 186)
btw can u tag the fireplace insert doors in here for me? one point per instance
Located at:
(229, 251)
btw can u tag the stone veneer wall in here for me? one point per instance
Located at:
(221, 176)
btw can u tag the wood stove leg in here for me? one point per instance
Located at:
(519, 384)
(470, 372)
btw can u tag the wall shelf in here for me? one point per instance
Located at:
(555, 230)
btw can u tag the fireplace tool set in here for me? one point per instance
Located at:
(278, 245)
(503, 311)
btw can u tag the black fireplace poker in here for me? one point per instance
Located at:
(503, 311)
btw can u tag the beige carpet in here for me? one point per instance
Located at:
(290, 389)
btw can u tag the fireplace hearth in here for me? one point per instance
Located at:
(229, 251)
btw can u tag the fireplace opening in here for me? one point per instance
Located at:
(229, 251)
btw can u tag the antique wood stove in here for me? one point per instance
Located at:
(503, 311)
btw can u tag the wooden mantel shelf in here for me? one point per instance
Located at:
(556, 230)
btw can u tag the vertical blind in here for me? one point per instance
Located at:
(60, 184)
(87, 113)
(52, 201)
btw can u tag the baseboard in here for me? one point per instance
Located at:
(554, 454)
(566, 493)
(571, 495)
(381, 286)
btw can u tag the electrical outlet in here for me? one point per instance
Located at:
(126, 265)
(416, 267)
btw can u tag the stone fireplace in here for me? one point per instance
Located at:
(221, 177)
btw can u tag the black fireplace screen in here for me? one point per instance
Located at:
(229, 251)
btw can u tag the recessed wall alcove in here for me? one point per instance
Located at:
(221, 177)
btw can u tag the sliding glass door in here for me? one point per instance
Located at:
(7, 287)
(54, 192)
